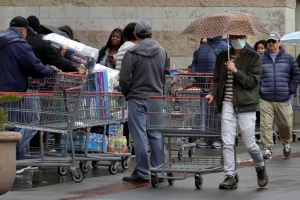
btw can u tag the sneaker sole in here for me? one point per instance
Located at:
(223, 187)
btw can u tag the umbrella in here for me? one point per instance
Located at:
(291, 39)
(46, 29)
(229, 23)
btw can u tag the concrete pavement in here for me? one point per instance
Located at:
(45, 183)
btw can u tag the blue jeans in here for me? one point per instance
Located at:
(137, 121)
(27, 118)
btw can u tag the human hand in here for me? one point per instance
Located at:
(209, 98)
(54, 68)
(112, 60)
(81, 69)
(231, 66)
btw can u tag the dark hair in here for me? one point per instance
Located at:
(109, 44)
(263, 42)
(68, 30)
(143, 36)
(128, 31)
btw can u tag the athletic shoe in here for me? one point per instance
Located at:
(286, 150)
(268, 154)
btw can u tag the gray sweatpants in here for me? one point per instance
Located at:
(246, 122)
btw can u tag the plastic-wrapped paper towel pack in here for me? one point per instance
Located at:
(73, 51)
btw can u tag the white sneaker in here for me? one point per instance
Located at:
(32, 167)
(268, 154)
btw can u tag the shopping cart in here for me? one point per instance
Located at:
(187, 84)
(54, 111)
(95, 109)
(184, 117)
(100, 109)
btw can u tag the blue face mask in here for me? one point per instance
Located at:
(238, 44)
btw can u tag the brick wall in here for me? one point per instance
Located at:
(93, 20)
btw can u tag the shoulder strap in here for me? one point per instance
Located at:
(211, 50)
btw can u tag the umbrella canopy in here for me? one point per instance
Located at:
(291, 39)
(229, 23)
(46, 29)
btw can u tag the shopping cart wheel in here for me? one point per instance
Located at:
(154, 180)
(113, 167)
(77, 178)
(95, 164)
(198, 181)
(274, 138)
(237, 178)
(62, 170)
(294, 137)
(191, 151)
(84, 166)
(180, 152)
(171, 181)
(125, 163)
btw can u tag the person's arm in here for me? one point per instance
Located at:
(194, 63)
(51, 57)
(219, 63)
(294, 76)
(30, 65)
(120, 56)
(126, 73)
(251, 77)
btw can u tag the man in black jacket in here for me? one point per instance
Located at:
(45, 52)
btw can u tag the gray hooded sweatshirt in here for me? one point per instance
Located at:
(143, 70)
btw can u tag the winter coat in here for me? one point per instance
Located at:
(18, 62)
(280, 78)
(204, 60)
(245, 80)
(143, 70)
(47, 54)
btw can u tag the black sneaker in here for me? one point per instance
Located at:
(262, 177)
(286, 150)
(134, 177)
(228, 183)
(268, 154)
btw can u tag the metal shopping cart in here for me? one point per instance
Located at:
(187, 84)
(95, 109)
(184, 116)
(55, 112)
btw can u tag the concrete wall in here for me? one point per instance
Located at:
(93, 20)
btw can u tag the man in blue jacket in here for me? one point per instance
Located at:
(204, 61)
(18, 62)
(279, 80)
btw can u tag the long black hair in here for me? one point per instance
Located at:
(109, 44)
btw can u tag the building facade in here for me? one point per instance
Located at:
(93, 20)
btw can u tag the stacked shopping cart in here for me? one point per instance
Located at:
(184, 112)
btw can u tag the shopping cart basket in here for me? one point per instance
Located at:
(184, 116)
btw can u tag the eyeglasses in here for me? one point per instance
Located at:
(272, 41)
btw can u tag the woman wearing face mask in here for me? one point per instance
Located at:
(236, 90)
(108, 53)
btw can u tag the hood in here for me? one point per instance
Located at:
(146, 47)
(10, 36)
(215, 39)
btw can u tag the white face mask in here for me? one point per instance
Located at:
(238, 44)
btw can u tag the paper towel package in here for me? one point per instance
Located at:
(73, 51)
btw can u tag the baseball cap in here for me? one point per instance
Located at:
(143, 28)
(19, 22)
(274, 36)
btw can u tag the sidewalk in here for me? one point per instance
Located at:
(99, 184)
